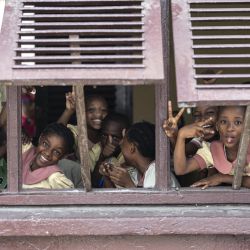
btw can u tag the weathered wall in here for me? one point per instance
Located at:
(219, 242)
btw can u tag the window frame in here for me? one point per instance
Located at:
(160, 195)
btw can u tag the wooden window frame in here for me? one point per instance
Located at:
(162, 194)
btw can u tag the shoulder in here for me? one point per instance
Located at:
(149, 177)
(58, 180)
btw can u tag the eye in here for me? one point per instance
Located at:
(45, 144)
(238, 123)
(223, 122)
(91, 110)
(57, 153)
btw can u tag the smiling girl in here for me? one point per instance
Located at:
(40, 168)
(219, 154)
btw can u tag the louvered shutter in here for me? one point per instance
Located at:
(68, 41)
(212, 36)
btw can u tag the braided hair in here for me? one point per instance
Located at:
(62, 131)
(142, 134)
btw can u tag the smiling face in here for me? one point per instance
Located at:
(230, 126)
(202, 113)
(50, 150)
(96, 111)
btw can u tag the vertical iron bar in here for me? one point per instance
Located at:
(242, 151)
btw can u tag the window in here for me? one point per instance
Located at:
(39, 67)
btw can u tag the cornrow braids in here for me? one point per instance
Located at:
(143, 135)
(62, 131)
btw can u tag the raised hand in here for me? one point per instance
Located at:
(109, 147)
(170, 126)
(197, 129)
(70, 101)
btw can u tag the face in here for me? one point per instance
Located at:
(96, 111)
(230, 126)
(112, 133)
(126, 150)
(50, 150)
(202, 113)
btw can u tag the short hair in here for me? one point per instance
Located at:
(143, 135)
(118, 118)
(221, 108)
(90, 98)
(62, 131)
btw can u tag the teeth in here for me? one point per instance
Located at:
(207, 126)
(43, 158)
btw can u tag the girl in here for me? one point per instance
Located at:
(39, 164)
(96, 111)
(218, 154)
(138, 149)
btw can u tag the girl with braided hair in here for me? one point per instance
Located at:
(138, 149)
(40, 168)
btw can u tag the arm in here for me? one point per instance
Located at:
(182, 165)
(69, 110)
(218, 179)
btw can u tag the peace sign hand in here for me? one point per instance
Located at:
(170, 126)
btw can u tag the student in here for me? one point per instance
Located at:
(96, 111)
(138, 149)
(113, 127)
(200, 113)
(40, 168)
(220, 154)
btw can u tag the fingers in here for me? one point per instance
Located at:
(180, 114)
(202, 184)
(170, 110)
(110, 139)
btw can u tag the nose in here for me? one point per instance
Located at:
(230, 126)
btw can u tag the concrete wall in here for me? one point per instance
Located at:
(170, 242)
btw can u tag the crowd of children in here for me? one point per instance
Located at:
(123, 155)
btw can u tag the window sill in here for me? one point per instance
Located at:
(124, 220)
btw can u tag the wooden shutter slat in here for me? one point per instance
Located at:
(220, 76)
(220, 46)
(220, 10)
(79, 66)
(90, 49)
(218, 1)
(222, 37)
(226, 18)
(222, 56)
(202, 28)
(206, 66)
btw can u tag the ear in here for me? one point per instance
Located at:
(132, 148)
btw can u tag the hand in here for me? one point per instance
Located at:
(197, 129)
(211, 181)
(105, 168)
(109, 148)
(121, 177)
(25, 138)
(170, 126)
(212, 80)
(70, 101)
